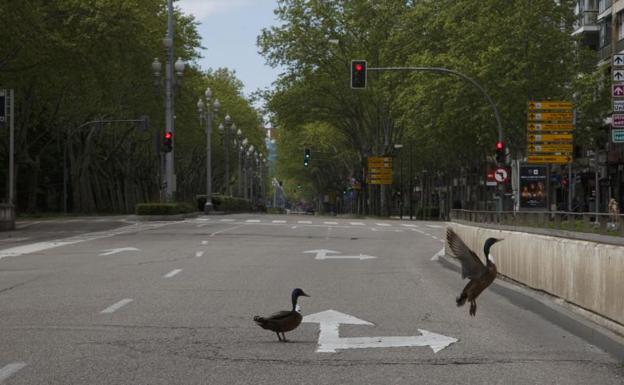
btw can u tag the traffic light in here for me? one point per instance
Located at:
(167, 142)
(306, 157)
(500, 152)
(358, 74)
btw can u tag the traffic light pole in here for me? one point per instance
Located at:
(468, 79)
(169, 157)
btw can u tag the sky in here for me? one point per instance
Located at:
(229, 29)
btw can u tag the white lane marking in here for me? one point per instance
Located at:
(253, 221)
(278, 221)
(10, 370)
(116, 251)
(438, 254)
(330, 223)
(321, 254)
(356, 223)
(172, 273)
(383, 224)
(202, 225)
(408, 225)
(329, 340)
(204, 242)
(224, 230)
(13, 239)
(294, 227)
(434, 226)
(304, 222)
(40, 246)
(116, 306)
(198, 254)
(227, 220)
(374, 229)
(434, 237)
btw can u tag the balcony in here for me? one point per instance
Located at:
(586, 22)
(605, 53)
(619, 46)
(604, 9)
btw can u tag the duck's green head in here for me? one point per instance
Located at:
(296, 294)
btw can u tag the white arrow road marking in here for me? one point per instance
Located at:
(198, 254)
(120, 250)
(322, 254)
(437, 255)
(10, 370)
(172, 273)
(114, 307)
(330, 341)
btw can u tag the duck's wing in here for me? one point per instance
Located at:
(280, 315)
(472, 267)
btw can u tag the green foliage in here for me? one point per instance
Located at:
(164, 208)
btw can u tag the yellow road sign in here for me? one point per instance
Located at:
(379, 160)
(536, 105)
(550, 116)
(550, 127)
(549, 147)
(549, 138)
(380, 170)
(559, 159)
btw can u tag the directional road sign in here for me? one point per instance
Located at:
(552, 126)
(618, 75)
(550, 116)
(533, 138)
(550, 147)
(617, 135)
(550, 106)
(501, 175)
(618, 105)
(618, 90)
(541, 159)
(617, 120)
(618, 60)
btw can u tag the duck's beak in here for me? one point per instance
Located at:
(304, 294)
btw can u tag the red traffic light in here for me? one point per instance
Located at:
(499, 145)
(359, 67)
(358, 74)
(168, 135)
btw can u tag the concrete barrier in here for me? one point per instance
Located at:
(587, 274)
(7, 217)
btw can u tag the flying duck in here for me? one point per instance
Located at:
(481, 276)
(285, 320)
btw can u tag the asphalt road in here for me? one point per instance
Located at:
(111, 302)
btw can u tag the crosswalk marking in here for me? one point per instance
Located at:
(330, 223)
(356, 223)
(172, 273)
(227, 220)
(408, 225)
(304, 222)
(383, 224)
(278, 221)
(252, 220)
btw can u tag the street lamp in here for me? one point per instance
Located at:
(169, 179)
(249, 172)
(398, 147)
(226, 145)
(207, 117)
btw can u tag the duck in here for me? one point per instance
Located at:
(481, 276)
(285, 320)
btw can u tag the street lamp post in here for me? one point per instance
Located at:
(239, 186)
(226, 152)
(243, 154)
(249, 173)
(207, 117)
(169, 179)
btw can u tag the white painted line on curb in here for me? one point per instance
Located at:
(117, 306)
(198, 254)
(172, 273)
(280, 221)
(10, 370)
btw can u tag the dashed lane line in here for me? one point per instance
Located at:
(204, 242)
(305, 222)
(116, 306)
(383, 224)
(223, 231)
(198, 254)
(227, 220)
(434, 226)
(10, 370)
(172, 273)
(278, 221)
(330, 223)
(356, 223)
(253, 221)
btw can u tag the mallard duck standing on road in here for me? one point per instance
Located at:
(285, 320)
(481, 276)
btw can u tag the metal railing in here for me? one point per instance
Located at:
(605, 52)
(603, 5)
(586, 18)
(602, 223)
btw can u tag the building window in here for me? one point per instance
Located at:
(620, 25)
(605, 33)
